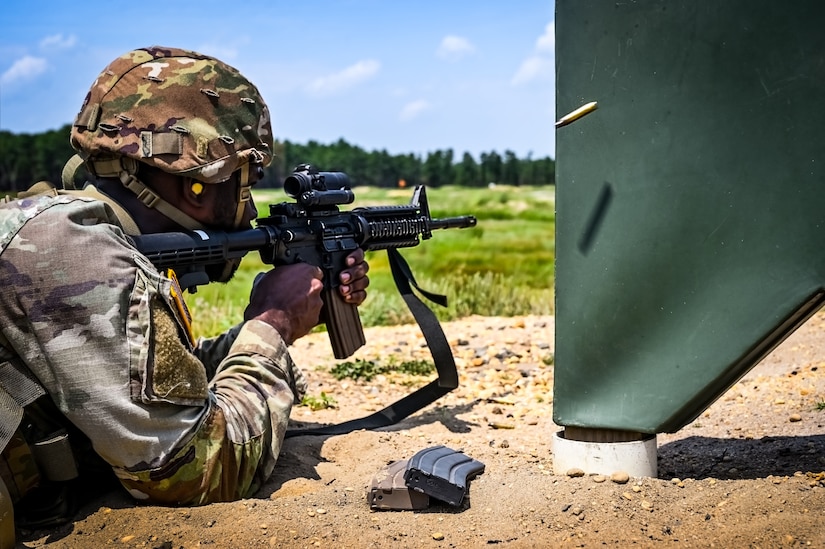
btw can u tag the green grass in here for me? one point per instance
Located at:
(319, 403)
(366, 370)
(501, 267)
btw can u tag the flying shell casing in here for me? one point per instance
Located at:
(578, 113)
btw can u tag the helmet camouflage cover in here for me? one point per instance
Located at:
(177, 110)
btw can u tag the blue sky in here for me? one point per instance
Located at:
(407, 77)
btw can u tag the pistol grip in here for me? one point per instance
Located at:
(343, 324)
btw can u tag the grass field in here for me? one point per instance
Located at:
(501, 267)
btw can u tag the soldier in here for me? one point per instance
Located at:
(97, 362)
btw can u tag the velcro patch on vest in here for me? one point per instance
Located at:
(175, 374)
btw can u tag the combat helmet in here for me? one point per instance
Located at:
(183, 112)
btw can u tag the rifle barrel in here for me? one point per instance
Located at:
(460, 222)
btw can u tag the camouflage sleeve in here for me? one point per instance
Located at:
(99, 328)
(211, 351)
(236, 448)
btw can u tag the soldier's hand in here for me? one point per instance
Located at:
(288, 299)
(354, 279)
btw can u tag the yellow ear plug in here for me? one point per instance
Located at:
(197, 189)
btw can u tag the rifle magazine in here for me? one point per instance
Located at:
(346, 335)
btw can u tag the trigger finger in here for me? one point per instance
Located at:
(355, 257)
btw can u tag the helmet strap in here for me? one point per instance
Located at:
(69, 171)
(125, 168)
(244, 193)
(150, 199)
(248, 177)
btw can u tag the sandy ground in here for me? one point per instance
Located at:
(747, 473)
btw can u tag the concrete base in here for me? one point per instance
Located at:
(636, 458)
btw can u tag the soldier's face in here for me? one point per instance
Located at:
(225, 207)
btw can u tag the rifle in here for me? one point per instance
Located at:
(313, 230)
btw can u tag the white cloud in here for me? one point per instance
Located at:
(413, 109)
(540, 64)
(532, 68)
(58, 42)
(546, 43)
(347, 78)
(453, 48)
(24, 69)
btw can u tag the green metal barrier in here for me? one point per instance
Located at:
(689, 224)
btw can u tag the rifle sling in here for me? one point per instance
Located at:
(439, 349)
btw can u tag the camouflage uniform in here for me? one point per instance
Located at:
(97, 325)
(179, 422)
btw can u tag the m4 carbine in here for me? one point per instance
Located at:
(312, 230)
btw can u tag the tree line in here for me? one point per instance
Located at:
(28, 158)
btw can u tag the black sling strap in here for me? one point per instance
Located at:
(439, 349)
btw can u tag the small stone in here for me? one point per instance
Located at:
(620, 477)
(575, 472)
(599, 478)
(321, 511)
(438, 536)
(647, 506)
(794, 418)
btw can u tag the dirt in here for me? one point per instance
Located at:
(747, 473)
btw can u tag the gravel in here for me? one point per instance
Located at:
(749, 472)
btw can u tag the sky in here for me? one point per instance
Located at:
(402, 76)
